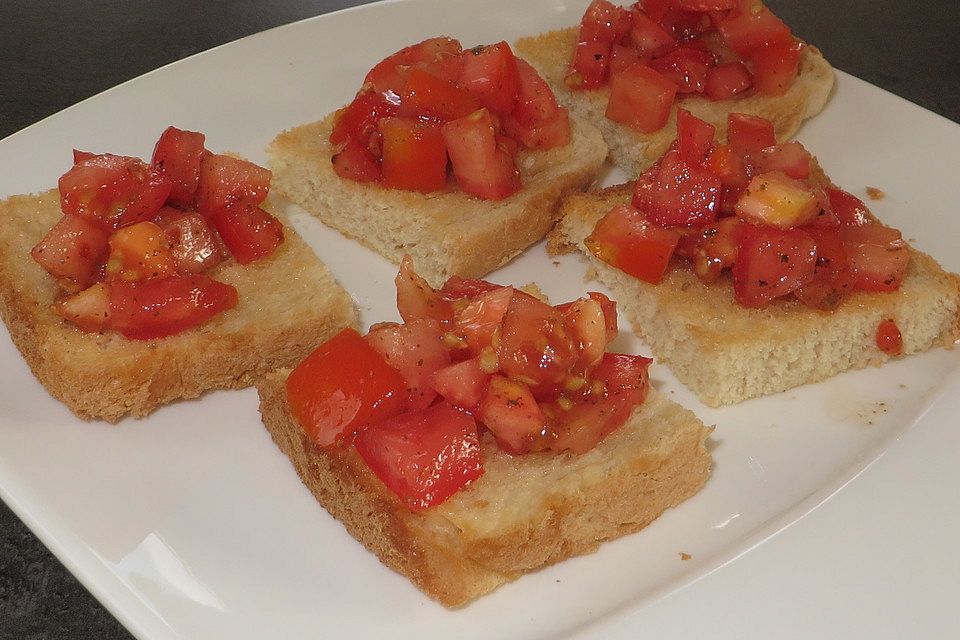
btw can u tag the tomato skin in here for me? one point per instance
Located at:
(159, 307)
(113, 191)
(388, 75)
(888, 339)
(747, 133)
(727, 80)
(177, 155)
(752, 26)
(462, 384)
(417, 299)
(72, 251)
(343, 385)
(625, 239)
(775, 67)
(425, 456)
(491, 76)
(481, 167)
(640, 98)
(509, 410)
(771, 263)
(227, 182)
(414, 155)
(249, 232)
(878, 256)
(416, 351)
(850, 210)
(429, 97)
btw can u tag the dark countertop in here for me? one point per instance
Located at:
(57, 53)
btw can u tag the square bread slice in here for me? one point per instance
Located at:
(550, 54)
(727, 353)
(446, 232)
(523, 513)
(287, 304)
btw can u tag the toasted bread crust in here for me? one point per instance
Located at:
(525, 512)
(727, 353)
(550, 53)
(447, 232)
(108, 376)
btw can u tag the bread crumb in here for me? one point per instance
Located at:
(875, 194)
(685, 556)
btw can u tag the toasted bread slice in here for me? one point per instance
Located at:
(550, 54)
(448, 232)
(727, 353)
(108, 376)
(525, 512)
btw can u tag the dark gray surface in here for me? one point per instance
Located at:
(57, 53)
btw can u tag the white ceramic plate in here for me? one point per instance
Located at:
(830, 508)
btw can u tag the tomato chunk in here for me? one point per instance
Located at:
(625, 239)
(752, 26)
(417, 299)
(113, 191)
(358, 120)
(727, 80)
(192, 241)
(640, 98)
(676, 193)
(850, 209)
(534, 345)
(509, 410)
(227, 182)
(160, 307)
(686, 67)
(481, 167)
(462, 384)
(537, 120)
(775, 67)
(72, 251)
(771, 263)
(414, 155)
(878, 256)
(341, 387)
(88, 310)
(833, 276)
(249, 232)
(426, 96)
(425, 456)
(491, 76)
(140, 252)
(694, 137)
(776, 199)
(355, 162)
(747, 133)
(389, 75)
(416, 351)
(476, 322)
(177, 156)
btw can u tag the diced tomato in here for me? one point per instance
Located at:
(177, 155)
(656, 9)
(747, 133)
(358, 120)
(591, 65)
(342, 386)
(878, 256)
(534, 345)
(751, 26)
(776, 199)
(355, 162)
(72, 251)
(625, 239)
(481, 167)
(192, 242)
(478, 320)
(249, 232)
(609, 313)
(685, 26)
(694, 137)
(706, 5)
(425, 456)
(228, 182)
(604, 21)
(159, 307)
(771, 263)
(509, 410)
(889, 340)
(648, 37)
(712, 248)
(775, 67)
(113, 191)
(536, 120)
(427, 96)
(587, 327)
(462, 384)
(727, 164)
(88, 310)
(849, 209)
(491, 76)
(686, 67)
(457, 287)
(414, 155)
(140, 252)
(602, 26)
(417, 299)
(79, 156)
(622, 57)
(789, 157)
(675, 193)
(833, 277)
(389, 74)
(640, 98)
(727, 80)
(415, 350)
(619, 383)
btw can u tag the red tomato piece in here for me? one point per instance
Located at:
(79, 156)
(591, 65)
(833, 277)
(342, 386)
(477, 321)
(676, 193)
(358, 120)
(462, 384)
(389, 75)
(849, 209)
(536, 120)
(621, 383)
(481, 167)
(425, 456)
(775, 67)
(878, 256)
(791, 158)
(712, 248)
(889, 340)
(193, 244)
(727, 80)
(161, 307)
(587, 327)
(656, 9)
(177, 155)
(751, 26)
(686, 67)
(625, 239)
(694, 138)
(728, 165)
(511, 413)
(706, 5)
(88, 310)
(227, 182)
(609, 313)
(771, 263)
(427, 96)
(534, 345)
(139, 252)
(776, 199)
(648, 37)
(417, 299)
(415, 350)
(602, 26)
(414, 155)
(640, 98)
(355, 162)
(457, 287)
(249, 232)
(72, 251)
(113, 191)
(747, 133)
(491, 76)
